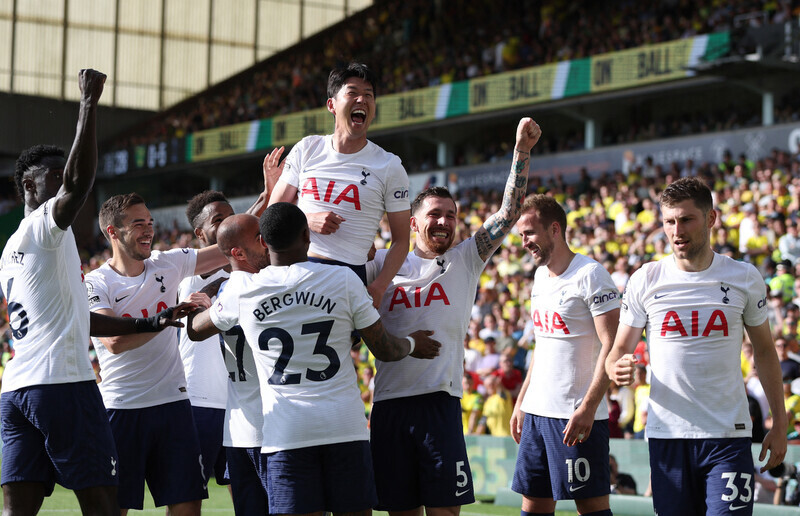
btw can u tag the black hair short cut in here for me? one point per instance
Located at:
(112, 212)
(434, 191)
(340, 74)
(688, 189)
(200, 201)
(31, 157)
(281, 225)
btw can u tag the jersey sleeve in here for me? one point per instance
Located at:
(44, 229)
(396, 196)
(755, 309)
(292, 166)
(363, 313)
(632, 311)
(97, 290)
(601, 294)
(224, 312)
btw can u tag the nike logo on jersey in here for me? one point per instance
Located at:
(737, 507)
(659, 296)
(462, 493)
(118, 299)
(572, 489)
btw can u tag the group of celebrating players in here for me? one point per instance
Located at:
(286, 289)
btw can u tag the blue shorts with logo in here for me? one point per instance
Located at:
(330, 477)
(244, 471)
(158, 444)
(57, 433)
(548, 468)
(419, 454)
(702, 476)
(209, 423)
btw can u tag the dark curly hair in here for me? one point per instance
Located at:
(30, 158)
(200, 201)
(281, 225)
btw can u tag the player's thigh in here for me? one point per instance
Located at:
(175, 470)
(678, 486)
(348, 480)
(248, 493)
(209, 423)
(294, 480)
(25, 461)
(729, 481)
(532, 470)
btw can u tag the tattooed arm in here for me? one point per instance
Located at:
(496, 227)
(388, 348)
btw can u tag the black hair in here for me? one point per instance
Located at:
(340, 74)
(434, 191)
(688, 189)
(200, 201)
(281, 225)
(112, 212)
(30, 158)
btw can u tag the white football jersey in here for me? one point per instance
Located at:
(695, 327)
(243, 417)
(360, 187)
(432, 295)
(567, 346)
(298, 320)
(203, 362)
(151, 374)
(42, 280)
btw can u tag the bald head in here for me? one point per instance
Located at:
(239, 238)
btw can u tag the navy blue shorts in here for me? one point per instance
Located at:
(360, 270)
(331, 477)
(57, 433)
(548, 468)
(419, 454)
(158, 444)
(249, 494)
(702, 476)
(209, 423)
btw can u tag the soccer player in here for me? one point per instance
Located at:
(54, 426)
(695, 306)
(344, 183)
(143, 387)
(418, 448)
(297, 317)
(560, 420)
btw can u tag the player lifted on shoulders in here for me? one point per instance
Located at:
(695, 306)
(560, 420)
(418, 448)
(344, 183)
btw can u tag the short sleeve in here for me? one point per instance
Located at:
(224, 312)
(363, 313)
(43, 227)
(601, 294)
(292, 166)
(97, 290)
(632, 311)
(755, 309)
(396, 197)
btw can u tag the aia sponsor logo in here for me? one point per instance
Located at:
(691, 325)
(549, 322)
(417, 298)
(347, 194)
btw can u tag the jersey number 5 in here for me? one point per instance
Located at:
(323, 331)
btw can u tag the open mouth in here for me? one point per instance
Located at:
(358, 116)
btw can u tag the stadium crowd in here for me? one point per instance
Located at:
(417, 44)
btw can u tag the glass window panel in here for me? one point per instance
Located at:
(6, 7)
(320, 17)
(234, 22)
(354, 6)
(227, 60)
(141, 15)
(139, 59)
(52, 10)
(38, 56)
(187, 18)
(137, 97)
(185, 64)
(95, 13)
(279, 24)
(88, 49)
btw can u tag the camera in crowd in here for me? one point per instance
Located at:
(788, 472)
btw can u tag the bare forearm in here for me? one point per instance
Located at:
(123, 343)
(769, 371)
(392, 262)
(385, 346)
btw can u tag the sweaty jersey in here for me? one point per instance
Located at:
(203, 364)
(567, 345)
(298, 319)
(41, 278)
(432, 295)
(360, 187)
(695, 327)
(243, 418)
(151, 374)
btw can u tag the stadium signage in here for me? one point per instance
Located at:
(225, 141)
(289, 129)
(408, 108)
(511, 89)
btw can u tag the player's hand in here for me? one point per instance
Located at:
(198, 298)
(273, 166)
(579, 426)
(324, 222)
(170, 316)
(528, 133)
(376, 292)
(424, 346)
(91, 84)
(775, 442)
(622, 374)
(517, 418)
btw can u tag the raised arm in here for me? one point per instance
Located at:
(489, 237)
(81, 166)
(388, 348)
(272, 168)
(401, 238)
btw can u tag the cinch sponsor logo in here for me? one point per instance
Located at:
(762, 302)
(602, 298)
(400, 194)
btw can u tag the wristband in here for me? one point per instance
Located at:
(413, 344)
(521, 151)
(150, 324)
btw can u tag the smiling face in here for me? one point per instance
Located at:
(42, 181)
(537, 239)
(353, 108)
(688, 230)
(214, 213)
(135, 235)
(435, 225)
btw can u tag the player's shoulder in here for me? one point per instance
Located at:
(382, 156)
